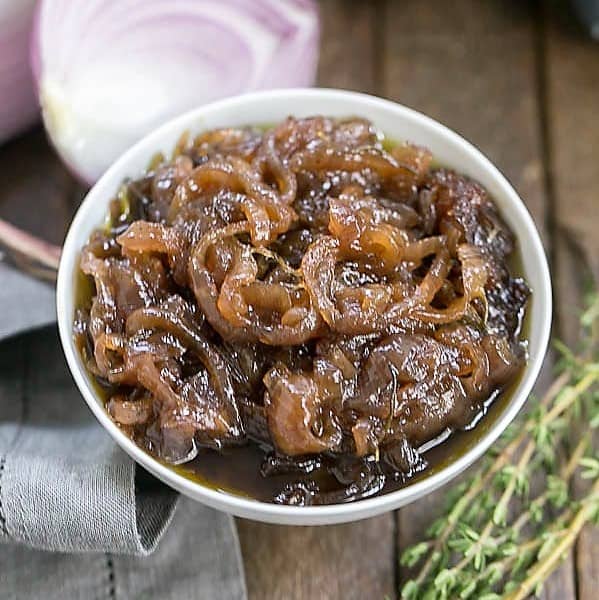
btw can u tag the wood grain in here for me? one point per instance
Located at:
(346, 561)
(36, 191)
(572, 73)
(352, 561)
(471, 65)
(474, 66)
(348, 45)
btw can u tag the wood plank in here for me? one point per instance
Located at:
(473, 66)
(348, 45)
(573, 97)
(351, 561)
(356, 560)
(36, 191)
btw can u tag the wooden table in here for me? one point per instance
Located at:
(515, 78)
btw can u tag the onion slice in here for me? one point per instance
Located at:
(108, 72)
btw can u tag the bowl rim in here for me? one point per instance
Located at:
(256, 509)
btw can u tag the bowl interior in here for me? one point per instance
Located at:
(395, 121)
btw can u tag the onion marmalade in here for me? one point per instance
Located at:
(334, 302)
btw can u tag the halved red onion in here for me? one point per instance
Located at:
(109, 71)
(18, 102)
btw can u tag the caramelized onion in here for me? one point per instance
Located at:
(323, 158)
(293, 407)
(474, 278)
(227, 310)
(343, 305)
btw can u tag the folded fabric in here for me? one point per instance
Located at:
(64, 485)
(198, 557)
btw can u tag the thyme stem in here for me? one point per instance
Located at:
(499, 540)
(542, 569)
(502, 460)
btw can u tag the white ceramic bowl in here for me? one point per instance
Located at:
(399, 123)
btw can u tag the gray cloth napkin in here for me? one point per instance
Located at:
(25, 303)
(79, 519)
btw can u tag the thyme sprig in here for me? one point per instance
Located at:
(508, 526)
